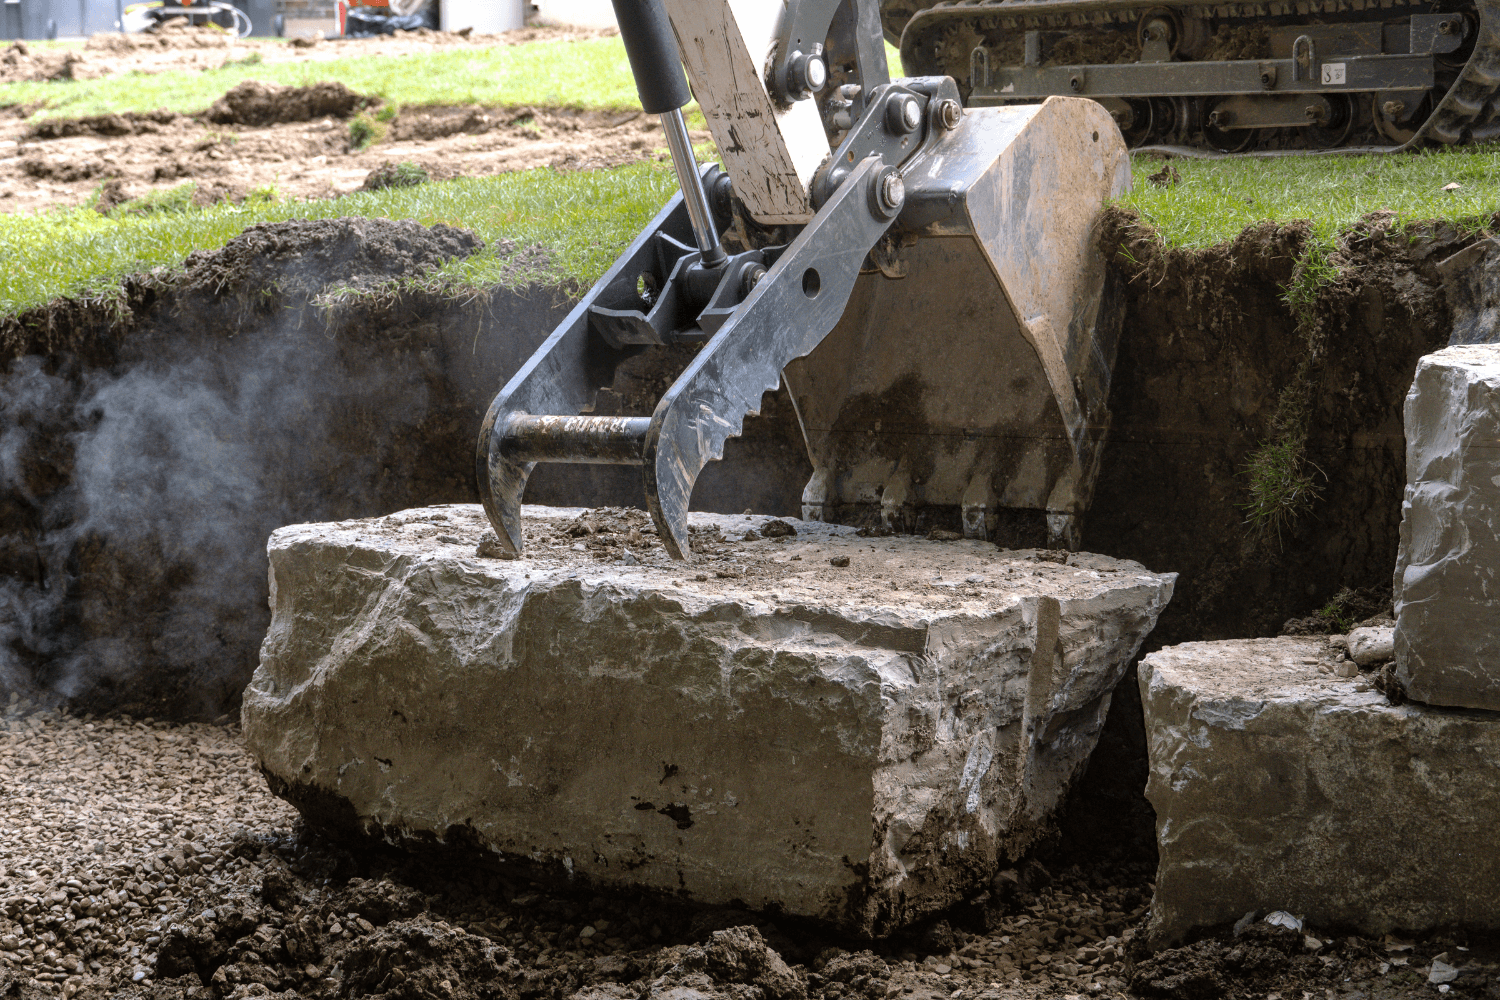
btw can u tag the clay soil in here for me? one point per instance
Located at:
(1208, 349)
(279, 138)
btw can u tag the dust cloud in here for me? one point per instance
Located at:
(151, 550)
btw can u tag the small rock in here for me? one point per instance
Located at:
(1281, 918)
(1346, 669)
(1441, 972)
(489, 547)
(1311, 943)
(751, 536)
(777, 529)
(839, 561)
(943, 535)
(629, 559)
(1371, 645)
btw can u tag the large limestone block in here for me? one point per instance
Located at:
(1448, 567)
(858, 743)
(1279, 786)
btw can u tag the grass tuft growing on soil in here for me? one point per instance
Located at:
(1282, 487)
(586, 73)
(582, 220)
(1214, 200)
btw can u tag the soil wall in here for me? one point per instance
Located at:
(147, 449)
(1209, 348)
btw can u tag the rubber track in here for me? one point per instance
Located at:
(1467, 113)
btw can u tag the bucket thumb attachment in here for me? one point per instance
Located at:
(784, 314)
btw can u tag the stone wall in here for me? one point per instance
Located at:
(1447, 582)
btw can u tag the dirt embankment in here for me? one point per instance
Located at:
(318, 141)
(1209, 349)
(303, 142)
(151, 447)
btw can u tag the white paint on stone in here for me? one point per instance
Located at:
(1278, 786)
(1447, 638)
(859, 745)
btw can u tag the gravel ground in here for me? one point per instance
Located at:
(145, 860)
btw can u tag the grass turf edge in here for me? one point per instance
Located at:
(539, 226)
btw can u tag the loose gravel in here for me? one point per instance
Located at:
(111, 830)
(144, 860)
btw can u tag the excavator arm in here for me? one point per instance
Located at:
(923, 279)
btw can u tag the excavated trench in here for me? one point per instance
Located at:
(149, 445)
(150, 448)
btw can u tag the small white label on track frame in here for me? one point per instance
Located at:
(1333, 74)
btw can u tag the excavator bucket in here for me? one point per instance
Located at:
(924, 279)
(966, 386)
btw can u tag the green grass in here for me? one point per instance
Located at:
(584, 219)
(591, 73)
(1216, 199)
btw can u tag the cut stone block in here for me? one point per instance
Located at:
(1447, 583)
(858, 730)
(1278, 786)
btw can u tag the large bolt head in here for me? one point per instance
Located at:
(903, 114)
(805, 75)
(814, 74)
(949, 113)
(911, 114)
(892, 192)
(887, 193)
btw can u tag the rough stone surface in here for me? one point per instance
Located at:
(1372, 644)
(1278, 786)
(1447, 583)
(860, 743)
